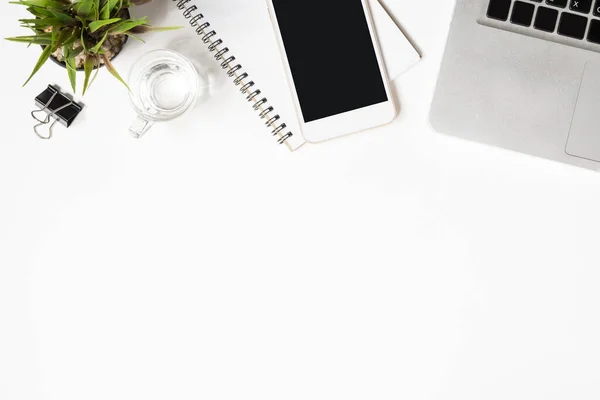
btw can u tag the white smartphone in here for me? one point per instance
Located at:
(334, 66)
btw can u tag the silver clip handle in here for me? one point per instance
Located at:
(47, 119)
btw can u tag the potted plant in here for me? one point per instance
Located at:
(81, 34)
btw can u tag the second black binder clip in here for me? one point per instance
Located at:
(56, 107)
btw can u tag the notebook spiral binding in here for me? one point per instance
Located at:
(235, 71)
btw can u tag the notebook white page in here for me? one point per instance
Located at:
(245, 27)
(398, 53)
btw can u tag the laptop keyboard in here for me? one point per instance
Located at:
(574, 19)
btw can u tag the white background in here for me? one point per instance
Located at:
(205, 262)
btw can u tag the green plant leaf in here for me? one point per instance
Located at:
(117, 7)
(60, 38)
(39, 3)
(76, 51)
(88, 67)
(135, 37)
(147, 28)
(84, 7)
(113, 71)
(42, 23)
(96, 63)
(55, 33)
(72, 71)
(67, 50)
(126, 25)
(39, 12)
(105, 11)
(84, 40)
(82, 21)
(75, 34)
(63, 17)
(41, 39)
(98, 45)
(107, 8)
(95, 13)
(94, 26)
(41, 61)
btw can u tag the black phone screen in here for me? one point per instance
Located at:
(331, 56)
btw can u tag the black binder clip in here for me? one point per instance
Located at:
(55, 106)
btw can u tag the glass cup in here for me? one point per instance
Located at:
(164, 85)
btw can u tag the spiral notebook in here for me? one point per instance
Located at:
(398, 53)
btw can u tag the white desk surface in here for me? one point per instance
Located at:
(204, 262)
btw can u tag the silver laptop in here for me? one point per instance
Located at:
(524, 75)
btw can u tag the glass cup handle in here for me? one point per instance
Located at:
(139, 127)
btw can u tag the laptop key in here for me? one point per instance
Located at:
(498, 9)
(582, 6)
(594, 33)
(572, 25)
(545, 19)
(597, 8)
(557, 3)
(522, 13)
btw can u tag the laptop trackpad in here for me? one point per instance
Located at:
(584, 136)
